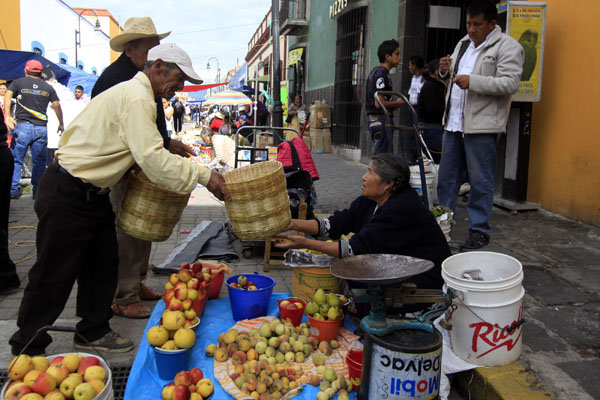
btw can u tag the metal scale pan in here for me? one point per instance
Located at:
(379, 269)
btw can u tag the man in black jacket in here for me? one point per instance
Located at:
(138, 37)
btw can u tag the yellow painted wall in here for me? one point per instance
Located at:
(564, 165)
(10, 25)
(115, 29)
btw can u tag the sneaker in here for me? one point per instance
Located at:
(475, 241)
(112, 342)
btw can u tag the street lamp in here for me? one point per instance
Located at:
(218, 68)
(97, 28)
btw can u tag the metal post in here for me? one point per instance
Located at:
(277, 110)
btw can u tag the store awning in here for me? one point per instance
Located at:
(197, 88)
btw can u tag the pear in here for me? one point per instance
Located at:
(323, 309)
(312, 308)
(319, 317)
(330, 375)
(333, 300)
(320, 297)
(334, 313)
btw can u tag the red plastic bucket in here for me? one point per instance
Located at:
(326, 330)
(199, 304)
(215, 285)
(295, 316)
(354, 360)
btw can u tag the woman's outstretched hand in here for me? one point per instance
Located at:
(292, 242)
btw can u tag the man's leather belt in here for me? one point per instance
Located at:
(87, 186)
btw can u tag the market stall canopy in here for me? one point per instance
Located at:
(228, 97)
(197, 88)
(12, 65)
(79, 77)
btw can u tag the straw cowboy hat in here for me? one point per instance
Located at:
(135, 28)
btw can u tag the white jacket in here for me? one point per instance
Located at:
(495, 78)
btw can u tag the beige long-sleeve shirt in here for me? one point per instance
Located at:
(118, 129)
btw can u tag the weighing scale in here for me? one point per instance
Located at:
(403, 342)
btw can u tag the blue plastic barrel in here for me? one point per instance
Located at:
(170, 362)
(248, 304)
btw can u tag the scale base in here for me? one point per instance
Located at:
(379, 325)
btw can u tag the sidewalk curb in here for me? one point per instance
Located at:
(506, 382)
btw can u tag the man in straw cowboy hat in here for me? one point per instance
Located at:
(76, 232)
(137, 38)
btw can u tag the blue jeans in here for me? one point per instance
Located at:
(433, 140)
(380, 134)
(476, 154)
(28, 135)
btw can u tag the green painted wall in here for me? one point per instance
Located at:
(384, 26)
(322, 33)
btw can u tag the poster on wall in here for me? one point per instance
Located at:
(526, 23)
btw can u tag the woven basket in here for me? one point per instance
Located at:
(259, 206)
(149, 211)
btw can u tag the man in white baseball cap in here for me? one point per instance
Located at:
(76, 238)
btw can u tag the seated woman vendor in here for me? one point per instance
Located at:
(388, 218)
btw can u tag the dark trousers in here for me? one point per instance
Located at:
(8, 271)
(76, 241)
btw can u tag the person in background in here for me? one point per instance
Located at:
(223, 148)
(227, 126)
(415, 66)
(430, 109)
(178, 114)
(262, 113)
(9, 280)
(3, 88)
(380, 80)
(216, 122)
(33, 95)
(296, 114)
(168, 116)
(483, 73)
(138, 37)
(80, 95)
(76, 238)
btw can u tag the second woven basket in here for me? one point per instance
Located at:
(259, 206)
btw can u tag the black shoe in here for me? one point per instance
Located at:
(10, 287)
(475, 241)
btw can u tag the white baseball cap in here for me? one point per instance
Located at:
(171, 53)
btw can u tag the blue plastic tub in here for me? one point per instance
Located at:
(170, 362)
(248, 304)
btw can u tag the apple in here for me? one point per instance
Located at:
(190, 315)
(185, 338)
(87, 362)
(168, 391)
(32, 396)
(291, 306)
(252, 287)
(31, 376)
(235, 285)
(173, 279)
(97, 384)
(44, 383)
(185, 265)
(299, 305)
(71, 361)
(242, 280)
(250, 283)
(182, 392)
(169, 294)
(187, 304)
(205, 387)
(197, 267)
(181, 293)
(182, 378)
(54, 395)
(175, 305)
(57, 360)
(173, 320)
(67, 387)
(95, 372)
(207, 276)
(192, 293)
(185, 275)
(199, 276)
(196, 374)
(17, 391)
(193, 283)
(84, 391)
(40, 363)
(19, 366)
(59, 372)
(283, 303)
(195, 396)
(180, 285)
(169, 286)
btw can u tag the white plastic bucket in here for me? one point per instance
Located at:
(415, 182)
(485, 309)
(105, 394)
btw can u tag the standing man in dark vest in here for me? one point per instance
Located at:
(138, 37)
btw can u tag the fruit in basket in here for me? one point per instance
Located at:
(97, 384)
(94, 372)
(333, 300)
(205, 388)
(242, 280)
(59, 372)
(54, 395)
(40, 363)
(32, 396)
(17, 390)
(185, 338)
(84, 391)
(182, 378)
(44, 383)
(71, 361)
(87, 362)
(320, 297)
(31, 376)
(169, 345)
(334, 313)
(312, 308)
(19, 366)
(196, 374)
(173, 320)
(67, 387)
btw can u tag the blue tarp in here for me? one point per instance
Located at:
(12, 66)
(143, 382)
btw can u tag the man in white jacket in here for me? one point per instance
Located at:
(485, 71)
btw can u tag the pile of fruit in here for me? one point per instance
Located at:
(330, 383)
(188, 385)
(70, 377)
(173, 332)
(291, 304)
(262, 358)
(243, 283)
(325, 307)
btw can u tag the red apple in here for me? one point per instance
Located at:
(59, 372)
(169, 294)
(193, 283)
(185, 275)
(182, 378)
(175, 305)
(250, 283)
(57, 360)
(182, 392)
(197, 267)
(87, 362)
(187, 304)
(185, 265)
(181, 293)
(180, 285)
(173, 279)
(291, 306)
(196, 374)
(235, 285)
(44, 383)
(199, 276)
(18, 390)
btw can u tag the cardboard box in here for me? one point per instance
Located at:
(264, 140)
(320, 115)
(320, 140)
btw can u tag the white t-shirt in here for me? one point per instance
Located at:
(416, 84)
